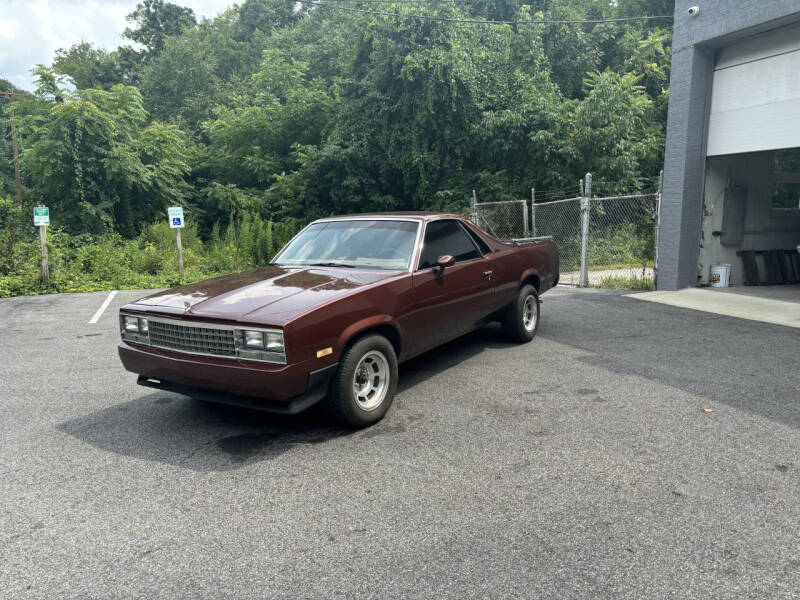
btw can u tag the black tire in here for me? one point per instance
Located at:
(516, 325)
(354, 410)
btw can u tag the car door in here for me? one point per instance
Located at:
(451, 301)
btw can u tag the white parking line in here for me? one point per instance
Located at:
(102, 308)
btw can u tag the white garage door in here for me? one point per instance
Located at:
(755, 103)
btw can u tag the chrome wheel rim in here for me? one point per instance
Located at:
(371, 380)
(529, 311)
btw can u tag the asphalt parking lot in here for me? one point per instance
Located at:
(582, 465)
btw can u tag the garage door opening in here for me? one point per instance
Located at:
(751, 216)
(751, 219)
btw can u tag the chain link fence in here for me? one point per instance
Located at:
(606, 241)
(504, 220)
(620, 249)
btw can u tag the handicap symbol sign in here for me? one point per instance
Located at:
(175, 214)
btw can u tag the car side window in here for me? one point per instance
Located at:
(477, 239)
(446, 237)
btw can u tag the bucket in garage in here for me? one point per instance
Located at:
(720, 275)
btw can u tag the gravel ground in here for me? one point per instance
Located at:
(582, 465)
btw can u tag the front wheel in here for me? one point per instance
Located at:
(521, 319)
(365, 384)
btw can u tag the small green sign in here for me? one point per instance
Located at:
(41, 216)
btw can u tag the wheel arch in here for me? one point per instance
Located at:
(380, 324)
(531, 276)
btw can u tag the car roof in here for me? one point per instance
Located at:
(415, 215)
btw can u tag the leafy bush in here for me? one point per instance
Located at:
(619, 282)
(85, 262)
(10, 226)
(622, 246)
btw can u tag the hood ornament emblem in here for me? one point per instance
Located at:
(186, 305)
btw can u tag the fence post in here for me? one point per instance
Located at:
(525, 218)
(658, 227)
(473, 205)
(585, 210)
(533, 212)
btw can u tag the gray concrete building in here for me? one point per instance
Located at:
(732, 164)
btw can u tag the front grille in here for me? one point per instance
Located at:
(186, 338)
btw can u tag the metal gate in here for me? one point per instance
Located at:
(604, 242)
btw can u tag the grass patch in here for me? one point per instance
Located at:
(620, 282)
(87, 263)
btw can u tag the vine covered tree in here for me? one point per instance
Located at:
(294, 110)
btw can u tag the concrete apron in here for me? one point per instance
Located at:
(739, 304)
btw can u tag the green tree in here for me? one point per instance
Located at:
(7, 186)
(88, 67)
(97, 162)
(298, 111)
(181, 83)
(251, 143)
(155, 21)
(612, 135)
(266, 16)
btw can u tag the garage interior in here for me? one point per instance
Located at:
(751, 211)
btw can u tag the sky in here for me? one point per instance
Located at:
(32, 30)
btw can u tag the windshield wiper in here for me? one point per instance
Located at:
(331, 264)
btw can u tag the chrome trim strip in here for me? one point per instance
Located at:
(417, 249)
(205, 325)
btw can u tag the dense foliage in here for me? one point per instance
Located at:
(280, 112)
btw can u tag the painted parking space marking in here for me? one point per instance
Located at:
(96, 316)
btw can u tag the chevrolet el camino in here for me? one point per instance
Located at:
(335, 312)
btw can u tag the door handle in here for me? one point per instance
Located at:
(488, 274)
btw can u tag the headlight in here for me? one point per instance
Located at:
(253, 339)
(131, 324)
(135, 324)
(261, 344)
(134, 329)
(274, 342)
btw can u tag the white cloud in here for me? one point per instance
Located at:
(32, 30)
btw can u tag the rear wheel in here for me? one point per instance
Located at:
(365, 384)
(521, 319)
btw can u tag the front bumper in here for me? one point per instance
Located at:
(275, 388)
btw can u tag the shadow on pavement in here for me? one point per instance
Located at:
(180, 431)
(419, 369)
(177, 430)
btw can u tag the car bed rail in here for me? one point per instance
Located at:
(529, 240)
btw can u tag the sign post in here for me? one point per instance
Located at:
(41, 219)
(175, 214)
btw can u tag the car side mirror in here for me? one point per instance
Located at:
(445, 261)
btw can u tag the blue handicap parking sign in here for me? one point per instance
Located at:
(175, 216)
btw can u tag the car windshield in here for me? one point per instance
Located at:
(356, 243)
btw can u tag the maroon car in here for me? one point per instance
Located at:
(335, 312)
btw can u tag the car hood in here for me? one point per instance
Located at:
(271, 295)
